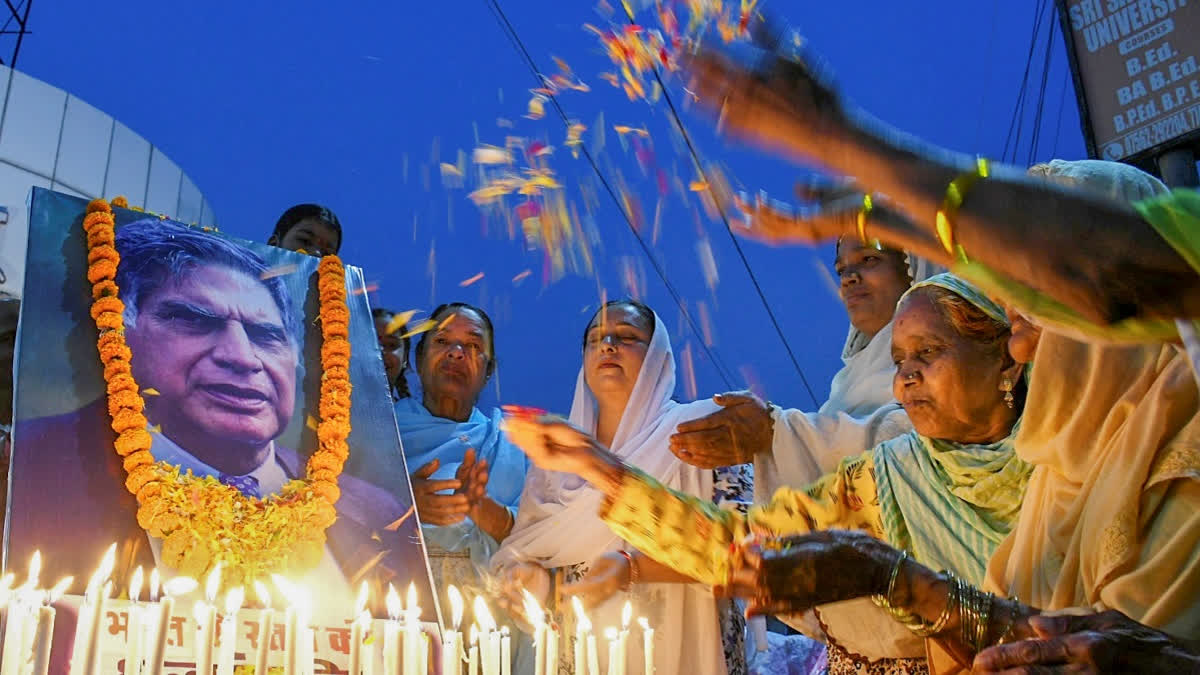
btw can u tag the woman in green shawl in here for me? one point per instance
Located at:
(949, 491)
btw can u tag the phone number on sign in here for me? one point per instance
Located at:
(1154, 134)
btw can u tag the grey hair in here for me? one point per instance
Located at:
(154, 251)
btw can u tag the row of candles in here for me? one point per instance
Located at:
(30, 616)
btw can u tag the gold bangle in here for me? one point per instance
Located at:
(956, 192)
(633, 569)
(865, 211)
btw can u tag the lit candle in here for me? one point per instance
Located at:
(357, 629)
(490, 641)
(205, 613)
(93, 608)
(614, 650)
(133, 626)
(233, 604)
(623, 642)
(291, 632)
(593, 655)
(473, 655)
(505, 652)
(265, 620)
(535, 616)
(551, 649)
(414, 647)
(582, 628)
(18, 621)
(391, 632)
(304, 633)
(44, 633)
(647, 646)
(452, 648)
(158, 646)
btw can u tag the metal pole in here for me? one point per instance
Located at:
(1178, 168)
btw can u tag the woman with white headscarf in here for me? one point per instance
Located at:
(623, 394)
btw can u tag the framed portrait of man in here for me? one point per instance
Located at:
(226, 349)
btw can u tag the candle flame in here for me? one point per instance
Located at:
(135, 585)
(360, 603)
(154, 579)
(234, 600)
(533, 610)
(504, 631)
(180, 586)
(6, 581)
(456, 606)
(413, 608)
(582, 623)
(107, 563)
(474, 634)
(213, 584)
(483, 616)
(364, 617)
(199, 612)
(35, 570)
(58, 590)
(610, 633)
(394, 606)
(626, 615)
(263, 593)
(643, 623)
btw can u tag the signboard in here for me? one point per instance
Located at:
(1136, 65)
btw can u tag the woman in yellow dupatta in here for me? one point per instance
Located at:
(1112, 515)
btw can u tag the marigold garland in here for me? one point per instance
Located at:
(200, 520)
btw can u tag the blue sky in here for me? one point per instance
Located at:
(354, 104)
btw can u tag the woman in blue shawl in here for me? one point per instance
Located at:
(466, 477)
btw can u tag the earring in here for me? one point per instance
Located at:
(1007, 387)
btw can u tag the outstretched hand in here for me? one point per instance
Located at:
(434, 508)
(782, 106)
(792, 574)
(732, 435)
(830, 210)
(551, 443)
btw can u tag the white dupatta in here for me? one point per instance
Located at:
(557, 522)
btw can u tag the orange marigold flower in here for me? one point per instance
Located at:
(125, 400)
(110, 337)
(116, 367)
(139, 458)
(336, 361)
(325, 515)
(103, 252)
(334, 312)
(109, 304)
(335, 329)
(133, 440)
(120, 202)
(139, 477)
(148, 493)
(324, 460)
(105, 288)
(186, 553)
(336, 447)
(114, 350)
(325, 474)
(101, 236)
(327, 491)
(97, 219)
(98, 205)
(101, 270)
(110, 321)
(122, 382)
(126, 419)
(339, 346)
(335, 374)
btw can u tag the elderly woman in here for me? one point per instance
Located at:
(468, 478)
(949, 490)
(1112, 516)
(623, 395)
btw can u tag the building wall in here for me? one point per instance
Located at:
(51, 139)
